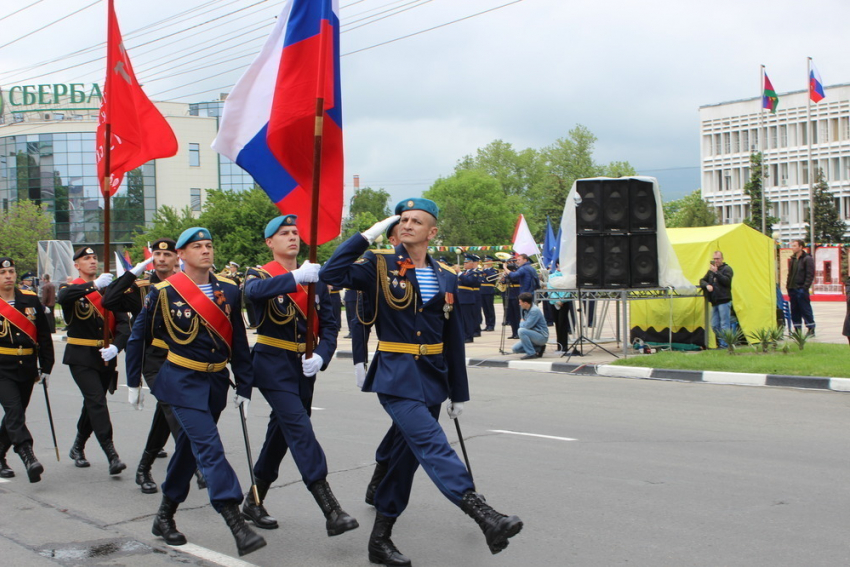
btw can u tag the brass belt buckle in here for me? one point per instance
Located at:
(211, 367)
(302, 347)
(20, 350)
(100, 343)
(423, 349)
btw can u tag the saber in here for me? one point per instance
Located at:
(250, 458)
(463, 448)
(50, 418)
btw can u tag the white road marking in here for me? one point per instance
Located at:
(532, 435)
(5, 480)
(212, 556)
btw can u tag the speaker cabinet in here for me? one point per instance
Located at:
(643, 216)
(644, 260)
(589, 211)
(615, 206)
(589, 261)
(615, 261)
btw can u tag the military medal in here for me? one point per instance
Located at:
(187, 313)
(449, 305)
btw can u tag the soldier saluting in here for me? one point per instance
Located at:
(25, 343)
(93, 365)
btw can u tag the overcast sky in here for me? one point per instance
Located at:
(634, 72)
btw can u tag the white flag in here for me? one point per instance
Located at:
(523, 241)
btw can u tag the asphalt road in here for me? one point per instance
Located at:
(618, 472)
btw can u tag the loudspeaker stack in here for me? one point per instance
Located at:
(616, 232)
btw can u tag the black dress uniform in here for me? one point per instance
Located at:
(488, 294)
(93, 376)
(20, 359)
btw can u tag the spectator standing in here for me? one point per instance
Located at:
(48, 299)
(717, 283)
(801, 275)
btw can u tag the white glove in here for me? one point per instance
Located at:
(241, 401)
(103, 280)
(360, 374)
(45, 378)
(454, 409)
(109, 353)
(311, 365)
(307, 273)
(379, 228)
(136, 398)
(139, 268)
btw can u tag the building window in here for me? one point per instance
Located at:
(195, 199)
(745, 140)
(194, 155)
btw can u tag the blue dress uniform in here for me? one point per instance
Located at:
(420, 362)
(468, 288)
(20, 359)
(488, 293)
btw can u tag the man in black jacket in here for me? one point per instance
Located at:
(801, 275)
(717, 283)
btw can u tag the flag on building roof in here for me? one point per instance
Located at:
(769, 100)
(815, 84)
(138, 132)
(268, 122)
(523, 240)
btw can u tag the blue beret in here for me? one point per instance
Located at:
(391, 227)
(193, 234)
(418, 204)
(275, 224)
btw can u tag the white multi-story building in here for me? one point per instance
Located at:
(732, 131)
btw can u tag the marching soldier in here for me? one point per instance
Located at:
(25, 344)
(93, 365)
(285, 377)
(468, 290)
(488, 292)
(127, 293)
(198, 316)
(420, 362)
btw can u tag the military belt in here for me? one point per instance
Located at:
(487, 285)
(410, 348)
(159, 343)
(280, 343)
(194, 364)
(85, 342)
(20, 351)
(467, 288)
(514, 285)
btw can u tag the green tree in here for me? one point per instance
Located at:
(828, 224)
(617, 169)
(469, 215)
(167, 222)
(515, 171)
(690, 210)
(375, 201)
(21, 227)
(753, 189)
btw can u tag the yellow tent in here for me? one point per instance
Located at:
(751, 256)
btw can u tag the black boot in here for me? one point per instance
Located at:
(143, 473)
(338, 521)
(34, 468)
(202, 482)
(377, 476)
(77, 453)
(257, 512)
(382, 550)
(5, 471)
(115, 463)
(497, 527)
(247, 540)
(163, 523)
(161, 454)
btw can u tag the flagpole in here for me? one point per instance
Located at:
(107, 150)
(763, 144)
(809, 140)
(314, 194)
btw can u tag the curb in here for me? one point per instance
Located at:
(643, 373)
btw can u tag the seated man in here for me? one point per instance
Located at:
(533, 331)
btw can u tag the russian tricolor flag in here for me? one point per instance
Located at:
(268, 123)
(815, 85)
